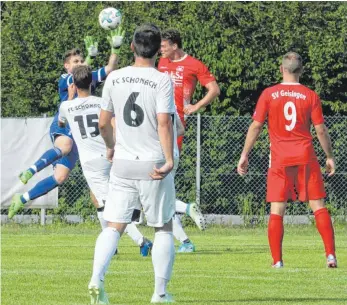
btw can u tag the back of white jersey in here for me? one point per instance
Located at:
(136, 95)
(82, 114)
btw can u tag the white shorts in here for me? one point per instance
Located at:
(97, 174)
(157, 198)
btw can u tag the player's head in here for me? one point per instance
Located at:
(73, 58)
(82, 77)
(170, 42)
(146, 41)
(292, 64)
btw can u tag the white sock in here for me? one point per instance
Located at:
(177, 229)
(181, 207)
(163, 256)
(34, 168)
(160, 286)
(103, 222)
(134, 233)
(105, 247)
(26, 196)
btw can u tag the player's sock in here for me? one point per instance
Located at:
(134, 233)
(275, 236)
(105, 247)
(46, 159)
(177, 229)
(103, 222)
(326, 230)
(163, 256)
(181, 207)
(41, 188)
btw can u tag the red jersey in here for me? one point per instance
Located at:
(184, 74)
(290, 109)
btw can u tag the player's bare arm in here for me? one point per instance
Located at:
(213, 91)
(325, 142)
(179, 126)
(252, 135)
(165, 132)
(106, 131)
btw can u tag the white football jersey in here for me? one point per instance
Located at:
(82, 114)
(136, 95)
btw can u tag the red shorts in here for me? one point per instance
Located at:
(306, 180)
(180, 138)
(179, 143)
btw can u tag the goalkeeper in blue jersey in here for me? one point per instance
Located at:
(64, 155)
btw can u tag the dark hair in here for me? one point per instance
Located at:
(72, 52)
(82, 76)
(146, 40)
(173, 36)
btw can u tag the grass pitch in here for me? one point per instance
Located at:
(52, 266)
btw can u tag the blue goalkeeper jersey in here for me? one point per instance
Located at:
(66, 80)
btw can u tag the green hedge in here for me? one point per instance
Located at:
(241, 42)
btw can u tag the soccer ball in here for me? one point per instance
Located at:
(110, 18)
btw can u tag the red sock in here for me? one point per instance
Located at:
(326, 230)
(275, 236)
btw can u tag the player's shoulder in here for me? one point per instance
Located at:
(193, 60)
(271, 89)
(96, 99)
(64, 78)
(162, 62)
(308, 90)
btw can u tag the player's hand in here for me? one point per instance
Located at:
(115, 38)
(91, 46)
(161, 173)
(109, 154)
(330, 166)
(190, 109)
(72, 90)
(242, 166)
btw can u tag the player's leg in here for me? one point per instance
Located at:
(158, 200)
(163, 256)
(276, 232)
(138, 238)
(100, 210)
(18, 201)
(62, 169)
(121, 201)
(63, 143)
(311, 187)
(186, 245)
(105, 247)
(325, 228)
(192, 210)
(280, 187)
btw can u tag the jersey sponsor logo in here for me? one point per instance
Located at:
(177, 78)
(162, 67)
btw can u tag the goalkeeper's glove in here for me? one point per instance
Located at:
(116, 39)
(92, 49)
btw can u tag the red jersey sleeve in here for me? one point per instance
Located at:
(317, 112)
(203, 75)
(262, 108)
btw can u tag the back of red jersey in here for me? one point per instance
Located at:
(290, 109)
